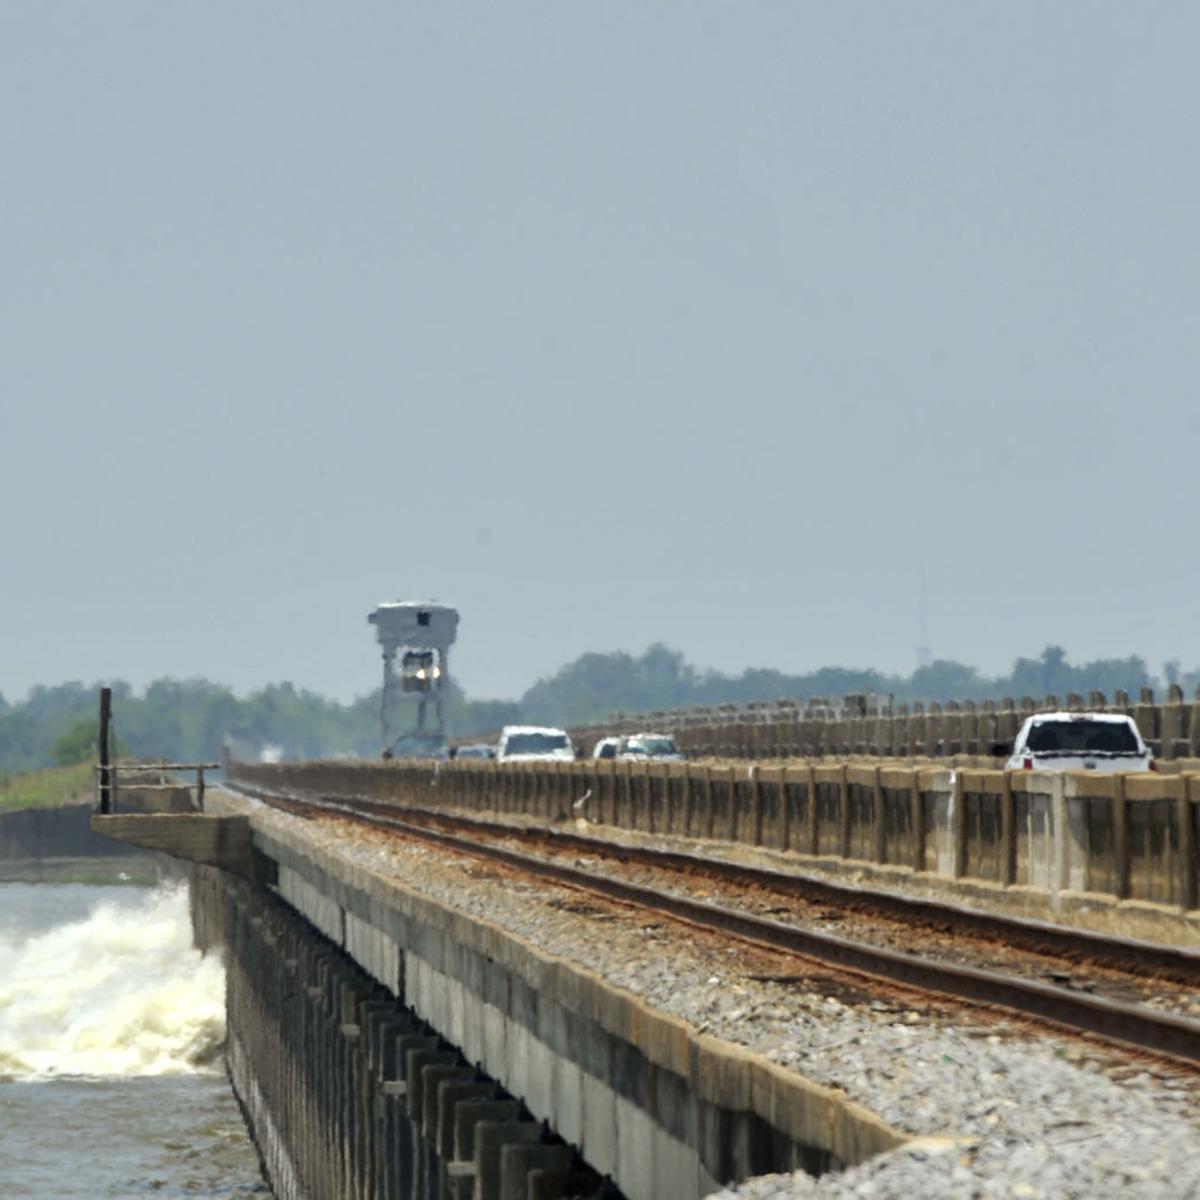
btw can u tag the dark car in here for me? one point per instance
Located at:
(476, 750)
(419, 745)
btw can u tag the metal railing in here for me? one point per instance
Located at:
(106, 780)
(107, 771)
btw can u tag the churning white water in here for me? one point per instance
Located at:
(120, 992)
(111, 1025)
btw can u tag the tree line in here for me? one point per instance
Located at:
(190, 720)
(597, 684)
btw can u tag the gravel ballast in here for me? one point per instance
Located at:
(1029, 1115)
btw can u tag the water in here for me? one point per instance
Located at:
(111, 1032)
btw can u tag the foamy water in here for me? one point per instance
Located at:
(121, 992)
(110, 1031)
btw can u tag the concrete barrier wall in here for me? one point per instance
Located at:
(862, 725)
(1125, 837)
(58, 843)
(661, 1109)
(61, 832)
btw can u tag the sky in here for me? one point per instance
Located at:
(711, 324)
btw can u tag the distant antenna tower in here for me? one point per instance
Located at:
(420, 634)
(924, 654)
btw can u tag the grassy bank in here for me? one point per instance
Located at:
(46, 789)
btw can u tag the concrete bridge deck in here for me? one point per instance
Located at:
(661, 1107)
(673, 1064)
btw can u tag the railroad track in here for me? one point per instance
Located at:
(1133, 1026)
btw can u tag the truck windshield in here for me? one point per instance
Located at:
(1082, 737)
(536, 743)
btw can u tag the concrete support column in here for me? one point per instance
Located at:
(424, 1161)
(491, 1139)
(451, 1094)
(517, 1161)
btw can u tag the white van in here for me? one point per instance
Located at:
(534, 743)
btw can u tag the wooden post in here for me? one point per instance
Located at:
(708, 802)
(785, 811)
(1008, 833)
(756, 800)
(200, 787)
(641, 816)
(810, 814)
(1120, 824)
(104, 779)
(844, 815)
(958, 806)
(879, 829)
(1187, 850)
(918, 822)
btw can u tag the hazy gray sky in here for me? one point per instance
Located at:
(608, 323)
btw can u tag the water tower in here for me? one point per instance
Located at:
(420, 635)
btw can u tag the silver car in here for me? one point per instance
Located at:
(648, 747)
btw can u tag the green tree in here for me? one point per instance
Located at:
(944, 679)
(80, 744)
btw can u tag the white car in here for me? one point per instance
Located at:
(534, 743)
(1080, 741)
(606, 747)
(648, 747)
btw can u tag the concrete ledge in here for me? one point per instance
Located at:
(57, 844)
(214, 841)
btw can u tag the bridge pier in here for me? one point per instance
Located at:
(347, 1092)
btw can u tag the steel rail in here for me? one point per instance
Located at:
(1133, 1026)
(1176, 963)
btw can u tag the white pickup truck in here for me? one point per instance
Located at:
(1080, 741)
(534, 743)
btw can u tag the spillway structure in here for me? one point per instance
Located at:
(415, 637)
